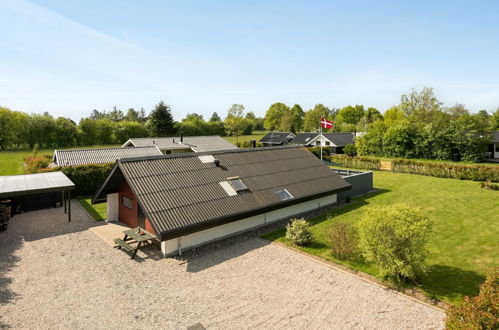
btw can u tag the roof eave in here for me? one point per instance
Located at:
(242, 215)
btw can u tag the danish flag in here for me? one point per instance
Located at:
(326, 123)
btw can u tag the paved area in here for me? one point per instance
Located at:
(55, 274)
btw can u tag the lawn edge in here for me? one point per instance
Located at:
(413, 294)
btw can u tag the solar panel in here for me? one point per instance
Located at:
(284, 194)
(237, 184)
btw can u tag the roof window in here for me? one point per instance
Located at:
(284, 194)
(206, 159)
(237, 184)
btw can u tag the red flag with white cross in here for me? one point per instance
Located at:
(326, 123)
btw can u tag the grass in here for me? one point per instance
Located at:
(97, 211)
(257, 135)
(12, 162)
(464, 242)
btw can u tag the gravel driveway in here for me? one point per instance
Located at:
(55, 274)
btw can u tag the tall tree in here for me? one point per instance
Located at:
(274, 115)
(351, 115)
(161, 121)
(313, 116)
(142, 117)
(116, 115)
(132, 115)
(193, 117)
(235, 122)
(215, 117)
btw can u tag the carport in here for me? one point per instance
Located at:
(36, 185)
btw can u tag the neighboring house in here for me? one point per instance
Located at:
(181, 144)
(100, 156)
(335, 140)
(304, 138)
(190, 199)
(276, 139)
(493, 150)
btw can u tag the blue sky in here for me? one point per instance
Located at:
(69, 57)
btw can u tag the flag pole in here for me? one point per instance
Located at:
(320, 126)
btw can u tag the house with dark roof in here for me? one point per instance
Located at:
(334, 140)
(276, 139)
(304, 138)
(100, 156)
(181, 144)
(191, 199)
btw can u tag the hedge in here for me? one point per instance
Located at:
(474, 172)
(87, 178)
(362, 162)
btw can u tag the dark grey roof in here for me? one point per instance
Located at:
(495, 136)
(29, 184)
(180, 193)
(100, 156)
(340, 139)
(304, 138)
(196, 143)
(277, 137)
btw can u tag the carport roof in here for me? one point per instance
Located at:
(30, 184)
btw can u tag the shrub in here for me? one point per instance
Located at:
(350, 150)
(473, 172)
(87, 178)
(317, 151)
(480, 312)
(35, 164)
(361, 162)
(489, 185)
(342, 239)
(298, 232)
(394, 239)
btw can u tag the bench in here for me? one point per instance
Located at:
(122, 244)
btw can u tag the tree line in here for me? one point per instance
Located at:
(420, 126)
(20, 130)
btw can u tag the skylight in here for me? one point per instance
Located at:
(237, 184)
(206, 159)
(284, 194)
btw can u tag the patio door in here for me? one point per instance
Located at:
(141, 219)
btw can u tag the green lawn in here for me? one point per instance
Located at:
(12, 162)
(465, 239)
(97, 211)
(257, 135)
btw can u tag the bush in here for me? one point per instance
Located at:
(474, 172)
(317, 151)
(394, 239)
(35, 164)
(87, 178)
(298, 232)
(350, 150)
(489, 185)
(480, 312)
(361, 162)
(342, 239)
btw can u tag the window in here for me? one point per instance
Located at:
(284, 194)
(127, 202)
(328, 143)
(317, 143)
(237, 184)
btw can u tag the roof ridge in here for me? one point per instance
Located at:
(93, 149)
(196, 154)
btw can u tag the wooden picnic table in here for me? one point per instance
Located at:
(139, 235)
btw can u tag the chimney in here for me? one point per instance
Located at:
(216, 162)
(253, 143)
(181, 137)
